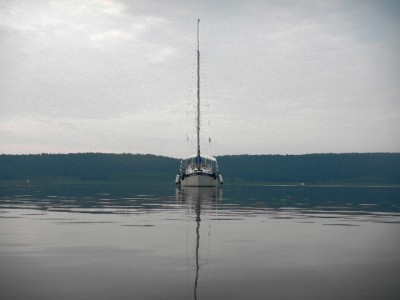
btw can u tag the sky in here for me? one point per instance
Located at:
(277, 77)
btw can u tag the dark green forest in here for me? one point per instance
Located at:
(371, 168)
(375, 168)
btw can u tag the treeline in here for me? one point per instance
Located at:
(87, 166)
(377, 168)
(381, 168)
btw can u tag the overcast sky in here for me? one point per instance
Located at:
(278, 77)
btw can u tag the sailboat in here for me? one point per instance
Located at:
(198, 170)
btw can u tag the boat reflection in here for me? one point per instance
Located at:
(198, 198)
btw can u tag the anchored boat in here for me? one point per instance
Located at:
(198, 170)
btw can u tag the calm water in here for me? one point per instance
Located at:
(136, 241)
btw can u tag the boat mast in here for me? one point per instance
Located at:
(198, 93)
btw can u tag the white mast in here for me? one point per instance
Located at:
(198, 92)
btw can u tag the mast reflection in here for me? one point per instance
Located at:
(198, 207)
(196, 198)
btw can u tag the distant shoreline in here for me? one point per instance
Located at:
(169, 182)
(349, 169)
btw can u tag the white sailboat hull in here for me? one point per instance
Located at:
(200, 181)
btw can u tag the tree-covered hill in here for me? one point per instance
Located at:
(88, 166)
(376, 168)
(314, 168)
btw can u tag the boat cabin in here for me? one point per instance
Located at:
(207, 164)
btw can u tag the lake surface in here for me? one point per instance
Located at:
(141, 241)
